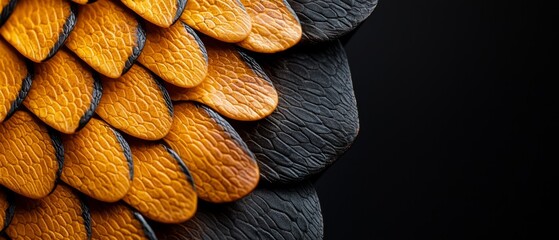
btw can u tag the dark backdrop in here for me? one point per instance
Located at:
(452, 115)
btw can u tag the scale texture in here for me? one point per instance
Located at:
(117, 221)
(325, 20)
(30, 157)
(316, 119)
(60, 215)
(235, 86)
(98, 162)
(162, 189)
(64, 93)
(176, 54)
(222, 168)
(226, 21)
(137, 104)
(286, 213)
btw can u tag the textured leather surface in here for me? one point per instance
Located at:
(176, 54)
(108, 37)
(117, 221)
(275, 27)
(314, 124)
(15, 80)
(64, 93)
(60, 215)
(316, 119)
(235, 86)
(162, 13)
(37, 28)
(226, 21)
(288, 213)
(97, 162)
(162, 188)
(136, 104)
(326, 20)
(222, 168)
(30, 157)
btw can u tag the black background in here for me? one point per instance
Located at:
(452, 114)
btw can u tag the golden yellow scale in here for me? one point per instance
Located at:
(98, 116)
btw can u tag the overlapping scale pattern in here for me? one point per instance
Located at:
(117, 221)
(37, 28)
(60, 215)
(98, 162)
(162, 13)
(108, 37)
(235, 86)
(222, 167)
(162, 188)
(137, 104)
(176, 54)
(275, 27)
(30, 156)
(65, 92)
(94, 146)
(226, 21)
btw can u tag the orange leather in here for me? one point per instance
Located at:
(64, 93)
(59, 215)
(162, 13)
(137, 104)
(175, 54)
(115, 221)
(107, 37)
(225, 20)
(37, 28)
(29, 160)
(275, 27)
(222, 167)
(97, 162)
(161, 189)
(235, 86)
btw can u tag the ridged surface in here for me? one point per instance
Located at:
(275, 27)
(13, 74)
(316, 119)
(107, 37)
(235, 86)
(175, 54)
(29, 157)
(63, 93)
(162, 13)
(226, 21)
(37, 28)
(326, 20)
(222, 168)
(60, 215)
(287, 213)
(116, 221)
(137, 104)
(161, 189)
(97, 162)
